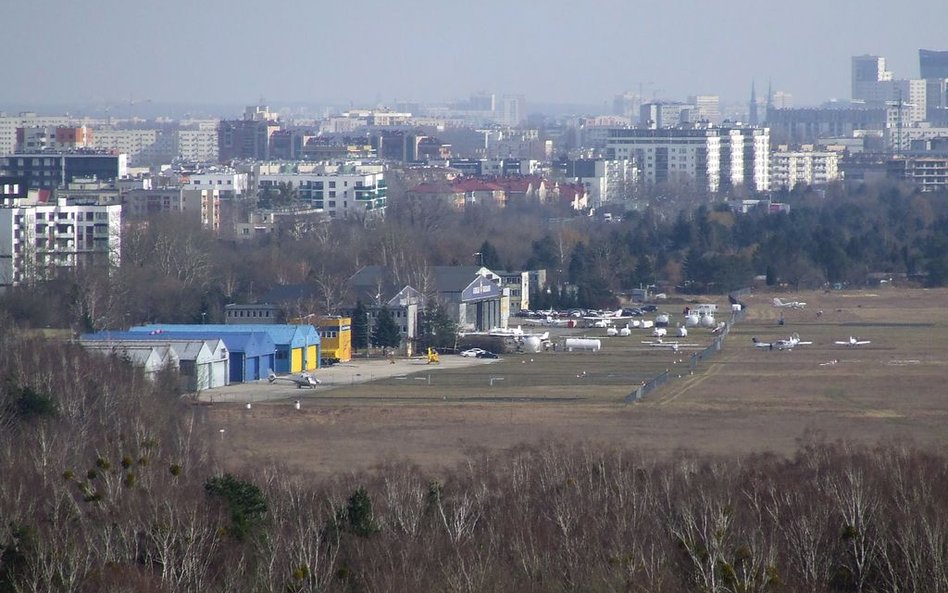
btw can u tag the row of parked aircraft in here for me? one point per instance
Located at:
(794, 340)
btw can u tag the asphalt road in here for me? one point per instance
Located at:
(335, 378)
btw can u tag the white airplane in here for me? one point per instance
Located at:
(674, 346)
(853, 342)
(301, 380)
(607, 318)
(550, 321)
(788, 304)
(789, 344)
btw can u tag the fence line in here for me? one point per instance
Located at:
(716, 344)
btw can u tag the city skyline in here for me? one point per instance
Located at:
(371, 52)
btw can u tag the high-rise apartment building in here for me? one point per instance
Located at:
(341, 194)
(932, 64)
(867, 74)
(247, 138)
(789, 168)
(144, 147)
(39, 240)
(714, 159)
(664, 114)
(50, 138)
(10, 123)
(707, 108)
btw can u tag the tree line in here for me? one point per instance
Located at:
(173, 271)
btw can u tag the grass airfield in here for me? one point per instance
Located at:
(742, 400)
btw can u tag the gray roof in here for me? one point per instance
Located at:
(289, 293)
(373, 283)
(454, 278)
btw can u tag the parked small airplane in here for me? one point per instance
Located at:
(789, 344)
(606, 318)
(301, 380)
(674, 345)
(853, 342)
(788, 304)
(551, 321)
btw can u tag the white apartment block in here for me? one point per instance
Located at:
(231, 183)
(607, 181)
(708, 108)
(47, 138)
(10, 123)
(143, 147)
(912, 97)
(145, 202)
(511, 110)
(339, 194)
(714, 159)
(513, 143)
(39, 240)
(806, 166)
(205, 205)
(782, 100)
(196, 146)
(901, 139)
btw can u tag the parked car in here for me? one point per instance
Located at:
(473, 352)
(486, 354)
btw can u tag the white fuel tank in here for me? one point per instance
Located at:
(588, 344)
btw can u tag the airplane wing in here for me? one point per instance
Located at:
(842, 342)
(862, 342)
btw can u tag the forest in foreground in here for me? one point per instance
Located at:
(107, 485)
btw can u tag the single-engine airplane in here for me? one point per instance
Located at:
(788, 304)
(852, 342)
(789, 344)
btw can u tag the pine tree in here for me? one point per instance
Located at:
(437, 329)
(489, 258)
(360, 326)
(386, 334)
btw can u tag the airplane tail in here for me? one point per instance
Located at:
(778, 302)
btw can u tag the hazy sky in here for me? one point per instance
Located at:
(366, 51)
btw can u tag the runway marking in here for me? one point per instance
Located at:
(713, 369)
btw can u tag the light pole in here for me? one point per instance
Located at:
(203, 317)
